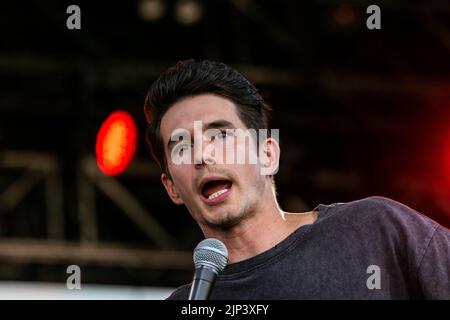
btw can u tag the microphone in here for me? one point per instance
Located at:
(210, 258)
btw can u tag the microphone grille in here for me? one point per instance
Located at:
(211, 253)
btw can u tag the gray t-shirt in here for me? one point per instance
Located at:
(373, 248)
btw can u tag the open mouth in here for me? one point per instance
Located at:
(213, 189)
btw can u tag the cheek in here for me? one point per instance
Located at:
(247, 175)
(182, 178)
(245, 151)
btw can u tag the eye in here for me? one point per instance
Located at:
(182, 148)
(221, 134)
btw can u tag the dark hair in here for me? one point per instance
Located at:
(190, 78)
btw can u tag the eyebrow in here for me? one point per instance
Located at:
(218, 124)
(224, 124)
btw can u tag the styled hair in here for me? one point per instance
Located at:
(190, 78)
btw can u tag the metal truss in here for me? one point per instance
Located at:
(40, 167)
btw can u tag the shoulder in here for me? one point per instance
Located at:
(377, 207)
(181, 293)
(380, 214)
(371, 204)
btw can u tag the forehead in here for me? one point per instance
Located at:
(205, 108)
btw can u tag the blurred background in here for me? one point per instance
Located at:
(361, 112)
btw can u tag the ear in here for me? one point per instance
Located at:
(170, 188)
(269, 154)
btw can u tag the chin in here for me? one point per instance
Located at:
(225, 221)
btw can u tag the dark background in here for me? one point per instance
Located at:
(361, 112)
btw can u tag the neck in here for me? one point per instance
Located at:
(262, 231)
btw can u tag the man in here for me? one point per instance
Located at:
(374, 248)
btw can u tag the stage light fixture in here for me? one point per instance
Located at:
(116, 143)
(188, 12)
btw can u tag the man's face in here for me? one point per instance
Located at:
(218, 195)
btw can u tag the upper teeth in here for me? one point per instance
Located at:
(217, 193)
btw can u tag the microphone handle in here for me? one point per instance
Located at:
(202, 283)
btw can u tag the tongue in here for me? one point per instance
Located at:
(215, 186)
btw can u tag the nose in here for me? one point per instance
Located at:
(201, 157)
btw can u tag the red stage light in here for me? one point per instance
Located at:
(116, 143)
